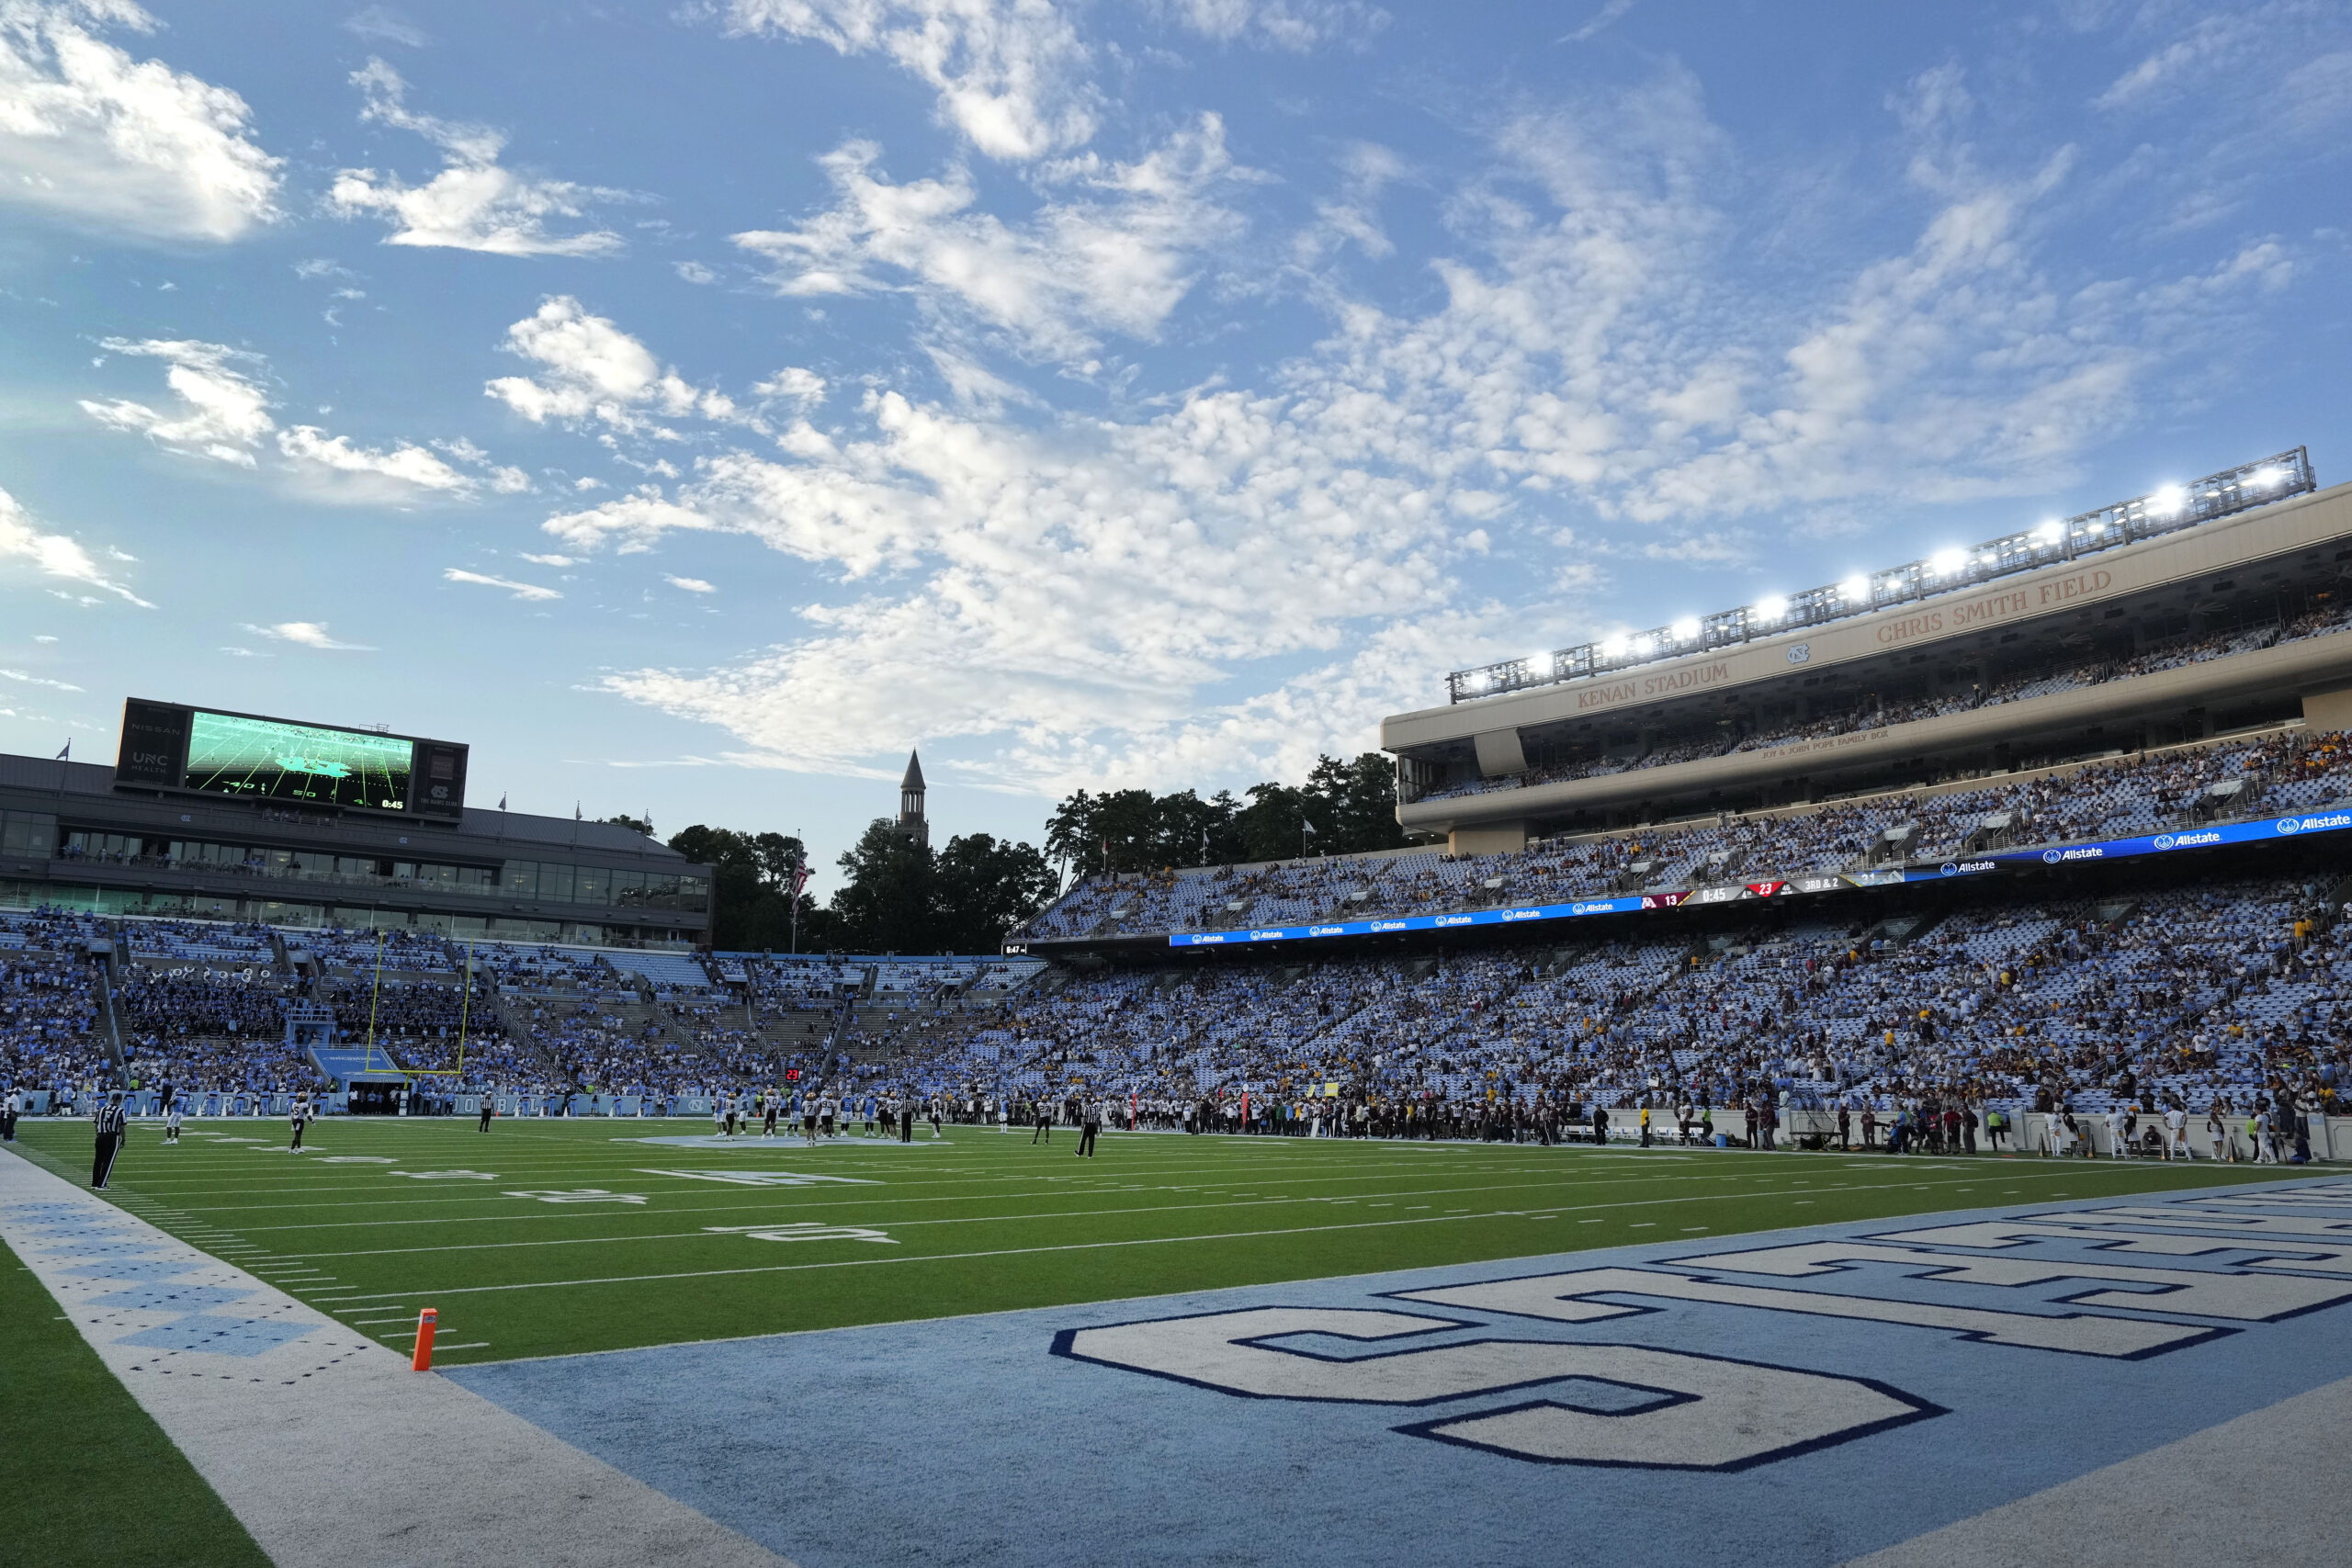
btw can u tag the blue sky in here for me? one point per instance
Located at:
(693, 407)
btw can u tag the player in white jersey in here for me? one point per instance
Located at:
(2177, 1134)
(171, 1125)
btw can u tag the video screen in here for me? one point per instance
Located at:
(266, 759)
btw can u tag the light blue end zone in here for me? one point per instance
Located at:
(969, 1440)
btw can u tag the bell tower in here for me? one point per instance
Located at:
(911, 817)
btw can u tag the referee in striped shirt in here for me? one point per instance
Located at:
(109, 1144)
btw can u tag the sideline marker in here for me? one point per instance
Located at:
(426, 1321)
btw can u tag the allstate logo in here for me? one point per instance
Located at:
(2164, 841)
(2051, 857)
(1799, 652)
(1948, 869)
(2288, 825)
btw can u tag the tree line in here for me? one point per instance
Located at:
(900, 896)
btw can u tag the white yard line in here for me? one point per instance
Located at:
(278, 1405)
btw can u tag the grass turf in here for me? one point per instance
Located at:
(90, 1478)
(547, 1237)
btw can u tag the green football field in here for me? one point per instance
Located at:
(543, 1237)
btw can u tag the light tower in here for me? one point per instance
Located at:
(911, 821)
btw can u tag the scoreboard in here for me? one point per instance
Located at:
(249, 757)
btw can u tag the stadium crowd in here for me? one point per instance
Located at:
(1863, 711)
(2287, 771)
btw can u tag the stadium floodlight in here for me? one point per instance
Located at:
(2217, 495)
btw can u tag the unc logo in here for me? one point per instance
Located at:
(1619, 1405)
(1799, 652)
(2051, 857)
(2288, 825)
(2164, 840)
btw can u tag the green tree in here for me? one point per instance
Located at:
(889, 902)
(984, 887)
(752, 897)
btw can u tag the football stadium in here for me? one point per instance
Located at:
(388, 1165)
(1342, 695)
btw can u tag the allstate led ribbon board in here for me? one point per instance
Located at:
(2267, 830)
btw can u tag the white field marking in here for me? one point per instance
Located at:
(1731, 1413)
(579, 1195)
(359, 1159)
(945, 1257)
(464, 1480)
(1566, 1298)
(936, 1177)
(706, 1141)
(2253, 1298)
(764, 1178)
(900, 1195)
(446, 1175)
(804, 1230)
(2192, 1219)
(2307, 1258)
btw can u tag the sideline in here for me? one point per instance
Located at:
(2253, 1481)
(283, 1410)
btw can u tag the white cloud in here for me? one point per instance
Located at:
(23, 678)
(473, 204)
(1009, 74)
(130, 146)
(309, 634)
(693, 272)
(691, 584)
(1295, 26)
(550, 561)
(1232, 578)
(307, 445)
(793, 384)
(223, 414)
(1613, 12)
(1114, 250)
(383, 23)
(530, 591)
(58, 556)
(592, 371)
